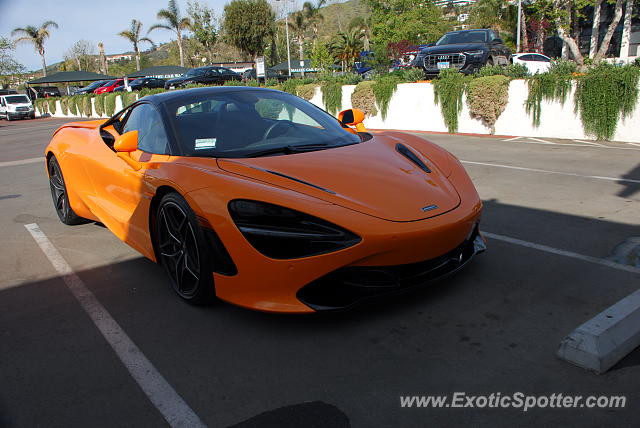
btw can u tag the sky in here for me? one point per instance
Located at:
(95, 21)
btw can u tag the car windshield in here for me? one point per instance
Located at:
(136, 82)
(463, 37)
(251, 123)
(17, 99)
(94, 85)
(111, 83)
(196, 72)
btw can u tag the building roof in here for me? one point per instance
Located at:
(160, 70)
(71, 76)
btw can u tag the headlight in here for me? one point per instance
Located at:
(477, 53)
(283, 233)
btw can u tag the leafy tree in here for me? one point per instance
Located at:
(81, 55)
(8, 65)
(133, 35)
(321, 56)
(395, 20)
(363, 24)
(175, 22)
(314, 15)
(248, 25)
(203, 26)
(36, 36)
(499, 15)
(347, 47)
(299, 24)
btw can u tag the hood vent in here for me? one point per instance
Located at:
(407, 153)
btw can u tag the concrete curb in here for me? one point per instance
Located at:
(601, 342)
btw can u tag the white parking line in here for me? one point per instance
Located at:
(512, 139)
(541, 141)
(560, 252)
(174, 409)
(570, 174)
(22, 161)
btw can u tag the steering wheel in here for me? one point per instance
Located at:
(274, 126)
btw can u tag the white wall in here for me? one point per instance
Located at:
(412, 108)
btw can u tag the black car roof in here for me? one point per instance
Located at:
(486, 30)
(172, 96)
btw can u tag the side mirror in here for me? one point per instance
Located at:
(127, 142)
(124, 145)
(352, 117)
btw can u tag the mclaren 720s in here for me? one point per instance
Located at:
(262, 199)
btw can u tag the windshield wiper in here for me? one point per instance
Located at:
(289, 149)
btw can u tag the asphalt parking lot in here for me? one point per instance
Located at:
(494, 327)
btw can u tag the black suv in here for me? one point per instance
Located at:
(466, 50)
(203, 75)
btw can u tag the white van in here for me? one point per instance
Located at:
(16, 106)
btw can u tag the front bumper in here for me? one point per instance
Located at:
(21, 114)
(351, 285)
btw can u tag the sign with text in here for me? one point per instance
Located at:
(260, 66)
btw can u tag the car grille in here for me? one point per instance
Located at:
(22, 108)
(455, 60)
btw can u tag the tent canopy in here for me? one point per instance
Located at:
(296, 66)
(159, 71)
(71, 76)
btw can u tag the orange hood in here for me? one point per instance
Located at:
(370, 177)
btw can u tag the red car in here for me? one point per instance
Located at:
(109, 86)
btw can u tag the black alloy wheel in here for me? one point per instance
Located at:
(60, 195)
(182, 251)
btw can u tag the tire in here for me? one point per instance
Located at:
(182, 250)
(490, 62)
(60, 195)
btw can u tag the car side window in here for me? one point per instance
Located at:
(152, 137)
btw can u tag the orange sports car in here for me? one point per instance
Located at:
(264, 200)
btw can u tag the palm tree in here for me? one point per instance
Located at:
(299, 25)
(35, 36)
(133, 35)
(347, 47)
(175, 22)
(362, 24)
(313, 15)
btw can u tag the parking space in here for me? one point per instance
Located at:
(494, 327)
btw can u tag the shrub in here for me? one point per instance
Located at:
(563, 66)
(128, 98)
(383, 89)
(86, 106)
(604, 95)
(551, 86)
(232, 83)
(51, 104)
(64, 105)
(110, 104)
(306, 91)
(364, 99)
(42, 105)
(514, 71)
(448, 90)
(99, 104)
(290, 85)
(412, 74)
(332, 97)
(148, 91)
(487, 98)
(271, 83)
(72, 106)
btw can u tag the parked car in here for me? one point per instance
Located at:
(44, 92)
(8, 91)
(203, 75)
(280, 214)
(17, 106)
(465, 50)
(535, 62)
(147, 82)
(109, 86)
(91, 87)
(250, 74)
